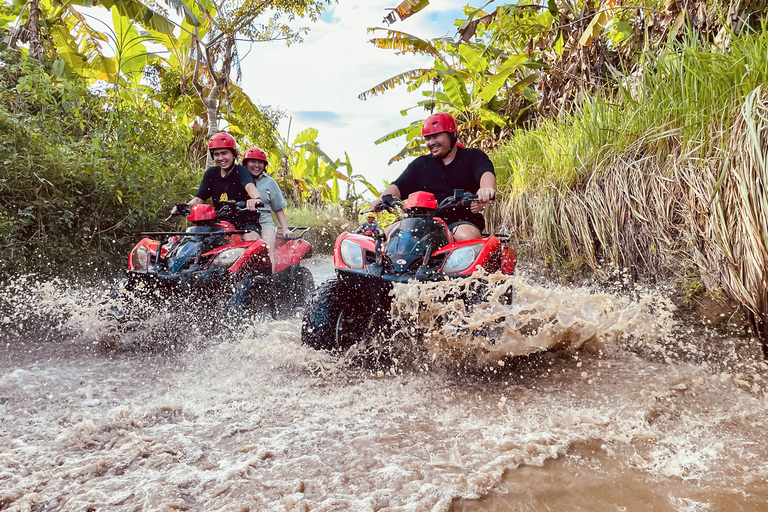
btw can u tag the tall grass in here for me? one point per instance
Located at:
(684, 94)
(675, 172)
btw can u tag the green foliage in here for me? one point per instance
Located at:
(79, 175)
(309, 176)
(687, 93)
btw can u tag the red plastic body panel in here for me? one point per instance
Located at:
(421, 200)
(201, 212)
(492, 246)
(508, 260)
(290, 252)
(149, 244)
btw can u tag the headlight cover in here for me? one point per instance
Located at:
(226, 258)
(352, 254)
(461, 258)
(139, 257)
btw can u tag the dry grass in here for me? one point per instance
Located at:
(645, 212)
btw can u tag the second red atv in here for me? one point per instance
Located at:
(210, 264)
(357, 302)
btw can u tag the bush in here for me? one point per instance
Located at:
(82, 173)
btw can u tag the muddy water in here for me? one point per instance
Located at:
(255, 421)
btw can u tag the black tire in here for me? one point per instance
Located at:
(302, 289)
(251, 297)
(336, 318)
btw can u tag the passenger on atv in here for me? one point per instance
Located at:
(449, 166)
(370, 227)
(228, 181)
(255, 160)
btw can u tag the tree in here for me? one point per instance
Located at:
(221, 25)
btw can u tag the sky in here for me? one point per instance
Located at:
(317, 82)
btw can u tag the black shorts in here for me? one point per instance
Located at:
(456, 224)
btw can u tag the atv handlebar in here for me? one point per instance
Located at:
(229, 206)
(389, 203)
(459, 198)
(179, 209)
(303, 229)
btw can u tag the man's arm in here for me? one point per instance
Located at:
(487, 190)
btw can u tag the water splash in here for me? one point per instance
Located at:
(483, 320)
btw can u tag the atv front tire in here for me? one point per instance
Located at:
(251, 296)
(336, 318)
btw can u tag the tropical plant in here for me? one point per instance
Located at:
(519, 63)
(311, 176)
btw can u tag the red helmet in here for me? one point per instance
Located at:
(255, 154)
(222, 140)
(438, 123)
(201, 212)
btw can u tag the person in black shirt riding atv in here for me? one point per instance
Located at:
(449, 166)
(228, 181)
(369, 225)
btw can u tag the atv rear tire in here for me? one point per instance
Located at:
(336, 318)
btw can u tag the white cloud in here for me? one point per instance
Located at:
(326, 73)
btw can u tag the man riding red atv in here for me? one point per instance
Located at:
(356, 303)
(430, 242)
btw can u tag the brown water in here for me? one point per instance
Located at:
(635, 419)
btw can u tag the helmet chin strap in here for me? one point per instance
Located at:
(454, 139)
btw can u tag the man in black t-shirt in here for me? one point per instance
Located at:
(449, 166)
(228, 181)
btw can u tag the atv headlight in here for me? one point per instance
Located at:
(461, 258)
(139, 258)
(225, 259)
(352, 254)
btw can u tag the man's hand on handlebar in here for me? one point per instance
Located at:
(486, 194)
(253, 204)
(386, 202)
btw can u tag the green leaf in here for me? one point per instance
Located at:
(58, 66)
(473, 62)
(525, 82)
(552, 8)
(398, 133)
(491, 116)
(308, 135)
(456, 90)
(490, 90)
(404, 43)
(393, 81)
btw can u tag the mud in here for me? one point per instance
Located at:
(620, 407)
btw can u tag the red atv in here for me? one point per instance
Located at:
(356, 303)
(210, 263)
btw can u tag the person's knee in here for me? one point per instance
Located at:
(250, 236)
(466, 232)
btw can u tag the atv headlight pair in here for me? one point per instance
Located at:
(352, 254)
(461, 258)
(225, 259)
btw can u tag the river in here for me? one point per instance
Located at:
(632, 410)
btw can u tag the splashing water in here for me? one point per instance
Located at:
(483, 320)
(259, 422)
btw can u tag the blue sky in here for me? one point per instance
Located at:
(317, 82)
